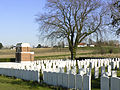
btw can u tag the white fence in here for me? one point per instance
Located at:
(22, 74)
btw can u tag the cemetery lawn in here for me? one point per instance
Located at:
(95, 83)
(8, 83)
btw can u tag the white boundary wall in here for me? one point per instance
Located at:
(115, 83)
(22, 74)
(104, 83)
(67, 80)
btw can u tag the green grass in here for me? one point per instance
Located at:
(8, 83)
(63, 56)
(51, 57)
(95, 83)
(118, 73)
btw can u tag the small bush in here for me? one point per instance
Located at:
(71, 67)
(52, 65)
(65, 69)
(7, 59)
(45, 65)
(102, 51)
(77, 70)
(41, 76)
(111, 50)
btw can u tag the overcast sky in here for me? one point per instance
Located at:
(17, 21)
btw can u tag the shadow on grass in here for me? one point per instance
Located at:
(95, 83)
(35, 85)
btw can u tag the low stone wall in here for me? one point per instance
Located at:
(110, 82)
(67, 80)
(22, 74)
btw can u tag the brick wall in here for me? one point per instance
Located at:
(24, 57)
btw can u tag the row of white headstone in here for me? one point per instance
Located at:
(22, 74)
(109, 72)
(67, 80)
(59, 65)
(54, 65)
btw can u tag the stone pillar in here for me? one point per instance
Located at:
(23, 52)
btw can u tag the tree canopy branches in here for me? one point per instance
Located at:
(71, 19)
(115, 14)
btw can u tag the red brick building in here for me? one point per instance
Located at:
(23, 52)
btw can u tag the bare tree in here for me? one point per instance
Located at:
(71, 19)
(115, 14)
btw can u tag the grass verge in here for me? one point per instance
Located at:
(10, 83)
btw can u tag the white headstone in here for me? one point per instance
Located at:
(95, 63)
(102, 71)
(96, 72)
(60, 79)
(114, 73)
(81, 72)
(45, 76)
(55, 79)
(79, 82)
(71, 81)
(50, 79)
(104, 83)
(86, 82)
(65, 80)
(109, 70)
(115, 83)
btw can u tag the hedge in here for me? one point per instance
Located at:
(7, 59)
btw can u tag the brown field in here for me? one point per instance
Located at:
(53, 53)
(7, 53)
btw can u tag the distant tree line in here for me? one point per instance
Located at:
(39, 46)
(108, 43)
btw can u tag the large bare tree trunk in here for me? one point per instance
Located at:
(73, 54)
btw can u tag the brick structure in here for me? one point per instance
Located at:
(23, 52)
